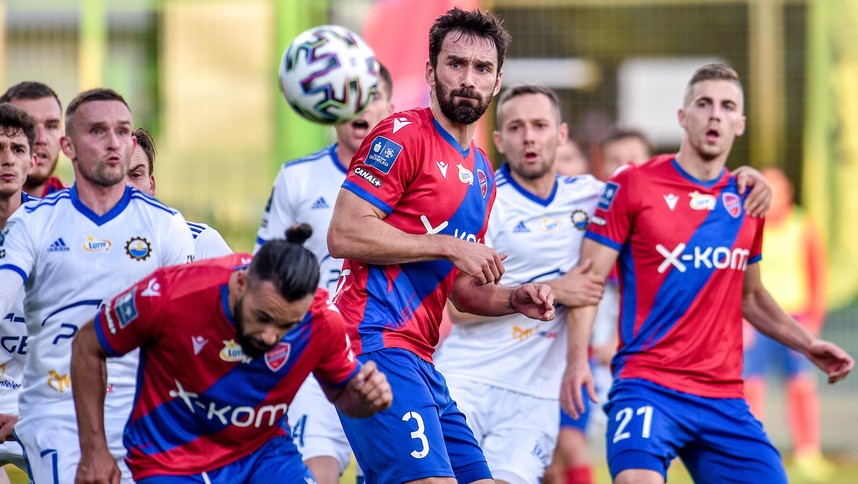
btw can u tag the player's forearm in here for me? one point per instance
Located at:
(579, 327)
(481, 300)
(464, 318)
(89, 380)
(761, 310)
(372, 241)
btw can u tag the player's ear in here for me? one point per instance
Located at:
(67, 147)
(680, 115)
(497, 137)
(429, 74)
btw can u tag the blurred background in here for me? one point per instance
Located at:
(201, 75)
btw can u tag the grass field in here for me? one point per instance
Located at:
(846, 472)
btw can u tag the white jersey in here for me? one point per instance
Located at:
(13, 355)
(543, 240)
(208, 243)
(72, 260)
(305, 191)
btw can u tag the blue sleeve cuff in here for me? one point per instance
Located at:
(15, 269)
(369, 197)
(102, 339)
(603, 240)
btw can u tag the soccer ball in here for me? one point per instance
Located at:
(329, 74)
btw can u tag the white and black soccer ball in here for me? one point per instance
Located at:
(329, 74)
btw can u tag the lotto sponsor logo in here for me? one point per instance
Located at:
(372, 179)
(96, 245)
(241, 416)
(702, 258)
(701, 201)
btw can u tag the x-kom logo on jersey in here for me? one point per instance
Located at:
(702, 257)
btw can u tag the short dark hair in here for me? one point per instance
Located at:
(14, 120)
(147, 144)
(384, 76)
(29, 90)
(621, 134)
(474, 23)
(522, 89)
(97, 94)
(712, 72)
(287, 264)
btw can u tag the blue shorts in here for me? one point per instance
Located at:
(764, 351)
(566, 420)
(423, 434)
(277, 458)
(717, 439)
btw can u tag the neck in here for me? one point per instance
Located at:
(541, 187)
(696, 166)
(344, 154)
(463, 133)
(98, 198)
(35, 190)
(8, 207)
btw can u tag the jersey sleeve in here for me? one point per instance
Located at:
(338, 364)
(615, 210)
(132, 318)
(757, 245)
(209, 244)
(279, 214)
(386, 162)
(178, 247)
(18, 247)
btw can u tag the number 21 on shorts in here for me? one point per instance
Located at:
(625, 417)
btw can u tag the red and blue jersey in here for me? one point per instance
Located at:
(201, 403)
(415, 172)
(684, 246)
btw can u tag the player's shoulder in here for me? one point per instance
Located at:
(49, 203)
(201, 275)
(404, 124)
(197, 228)
(322, 310)
(322, 156)
(581, 183)
(150, 203)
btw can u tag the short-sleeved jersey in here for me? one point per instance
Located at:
(72, 260)
(13, 346)
(202, 403)
(305, 191)
(415, 172)
(684, 246)
(543, 240)
(208, 242)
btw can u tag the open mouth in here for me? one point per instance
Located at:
(712, 135)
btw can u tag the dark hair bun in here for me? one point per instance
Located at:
(299, 233)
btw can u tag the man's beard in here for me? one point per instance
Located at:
(464, 112)
(248, 347)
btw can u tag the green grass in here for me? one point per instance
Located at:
(846, 471)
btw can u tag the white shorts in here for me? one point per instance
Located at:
(11, 452)
(316, 428)
(517, 432)
(52, 449)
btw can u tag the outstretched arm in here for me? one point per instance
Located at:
(580, 326)
(365, 394)
(358, 232)
(536, 301)
(761, 310)
(89, 379)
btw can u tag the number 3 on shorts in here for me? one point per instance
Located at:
(418, 434)
(625, 415)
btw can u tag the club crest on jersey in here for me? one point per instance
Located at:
(276, 357)
(607, 197)
(701, 201)
(126, 308)
(96, 245)
(382, 154)
(484, 182)
(465, 175)
(732, 203)
(580, 219)
(138, 248)
(232, 352)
